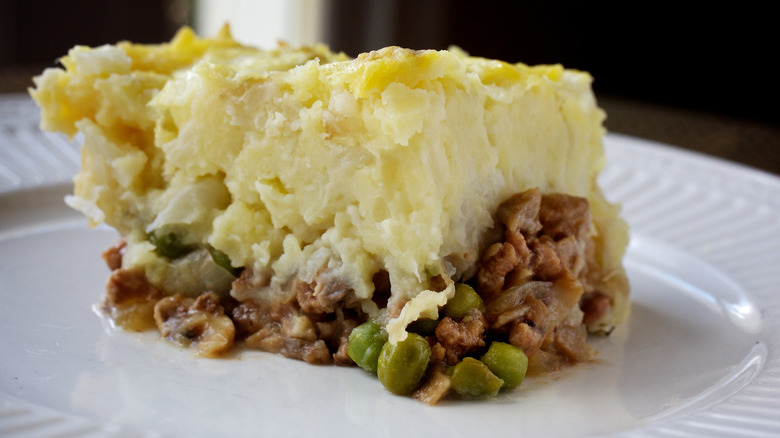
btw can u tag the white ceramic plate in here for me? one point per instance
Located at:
(700, 355)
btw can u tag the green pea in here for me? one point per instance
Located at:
(472, 378)
(168, 244)
(223, 261)
(464, 300)
(507, 362)
(423, 327)
(402, 366)
(365, 345)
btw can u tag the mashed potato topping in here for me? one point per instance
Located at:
(296, 160)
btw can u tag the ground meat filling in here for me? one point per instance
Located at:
(313, 327)
(532, 279)
(460, 338)
(537, 282)
(200, 321)
(130, 298)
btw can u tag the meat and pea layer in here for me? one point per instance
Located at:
(523, 309)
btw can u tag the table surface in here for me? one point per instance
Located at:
(749, 142)
(752, 143)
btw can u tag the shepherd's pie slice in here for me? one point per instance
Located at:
(428, 215)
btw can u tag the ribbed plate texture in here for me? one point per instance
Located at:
(728, 216)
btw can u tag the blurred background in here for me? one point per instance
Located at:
(698, 78)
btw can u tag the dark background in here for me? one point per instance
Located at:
(714, 59)
(700, 76)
